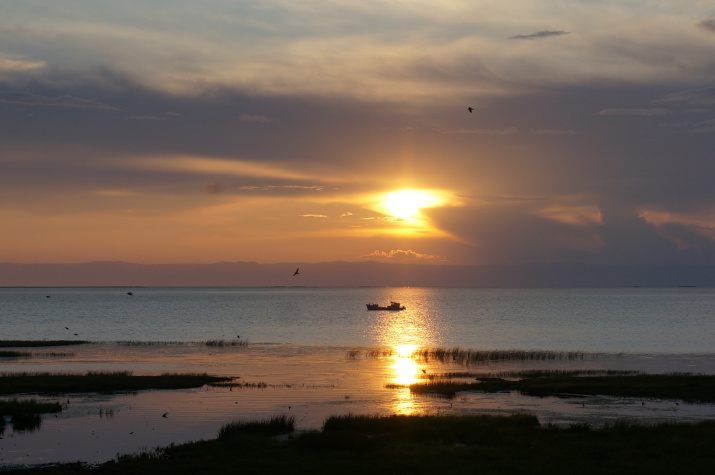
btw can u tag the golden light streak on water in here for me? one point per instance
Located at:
(406, 371)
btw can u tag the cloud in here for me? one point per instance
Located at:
(256, 118)
(697, 97)
(539, 35)
(707, 24)
(145, 117)
(552, 132)
(515, 232)
(400, 255)
(201, 165)
(635, 112)
(313, 215)
(507, 131)
(18, 65)
(212, 188)
(29, 99)
(281, 187)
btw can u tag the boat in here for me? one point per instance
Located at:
(392, 306)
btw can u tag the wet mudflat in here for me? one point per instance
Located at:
(309, 384)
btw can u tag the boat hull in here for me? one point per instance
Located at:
(374, 306)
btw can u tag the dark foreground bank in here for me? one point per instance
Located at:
(427, 444)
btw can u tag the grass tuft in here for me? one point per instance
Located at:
(95, 381)
(34, 343)
(468, 357)
(276, 425)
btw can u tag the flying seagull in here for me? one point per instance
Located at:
(296, 271)
(470, 109)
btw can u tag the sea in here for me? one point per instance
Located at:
(310, 353)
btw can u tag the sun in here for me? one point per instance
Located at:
(406, 204)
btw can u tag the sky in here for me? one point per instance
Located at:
(280, 131)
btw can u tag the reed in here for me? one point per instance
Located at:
(222, 343)
(691, 388)
(274, 426)
(33, 343)
(11, 407)
(94, 381)
(14, 354)
(449, 445)
(469, 357)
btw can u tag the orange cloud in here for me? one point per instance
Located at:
(401, 255)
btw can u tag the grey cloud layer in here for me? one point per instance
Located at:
(278, 101)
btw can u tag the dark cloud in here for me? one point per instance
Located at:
(212, 188)
(691, 97)
(145, 117)
(634, 112)
(255, 118)
(514, 233)
(707, 24)
(29, 99)
(539, 35)
(689, 237)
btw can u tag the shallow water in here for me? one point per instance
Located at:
(679, 320)
(310, 383)
(300, 342)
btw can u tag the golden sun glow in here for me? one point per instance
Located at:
(406, 204)
(405, 367)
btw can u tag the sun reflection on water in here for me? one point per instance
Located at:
(404, 333)
(405, 367)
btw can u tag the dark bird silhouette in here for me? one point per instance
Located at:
(296, 271)
(47, 296)
(165, 414)
(470, 109)
(67, 328)
(130, 293)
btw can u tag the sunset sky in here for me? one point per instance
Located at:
(309, 131)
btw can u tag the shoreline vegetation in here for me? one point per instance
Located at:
(467, 357)
(356, 444)
(99, 382)
(41, 343)
(407, 444)
(679, 386)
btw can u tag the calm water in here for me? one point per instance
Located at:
(680, 320)
(300, 340)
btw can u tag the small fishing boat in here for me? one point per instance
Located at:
(392, 306)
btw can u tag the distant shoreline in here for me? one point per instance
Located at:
(353, 274)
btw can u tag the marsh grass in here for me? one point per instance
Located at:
(25, 415)
(469, 357)
(274, 426)
(36, 343)
(14, 354)
(448, 445)
(93, 381)
(686, 387)
(208, 343)
(222, 343)
(53, 354)
(233, 384)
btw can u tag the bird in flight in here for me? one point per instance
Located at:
(470, 109)
(296, 271)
